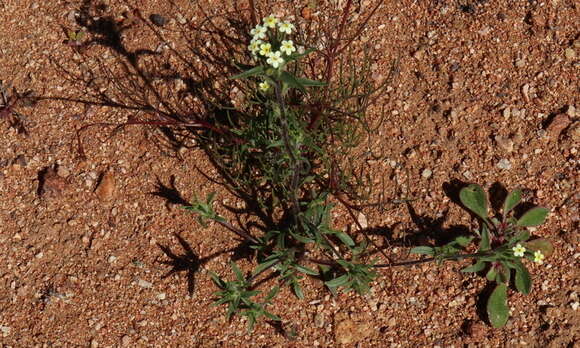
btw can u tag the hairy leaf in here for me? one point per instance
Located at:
(497, 308)
(474, 199)
(511, 201)
(533, 217)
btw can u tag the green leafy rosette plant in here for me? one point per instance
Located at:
(503, 243)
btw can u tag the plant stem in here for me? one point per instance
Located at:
(416, 262)
(238, 231)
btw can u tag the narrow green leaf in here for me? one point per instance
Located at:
(485, 243)
(533, 217)
(292, 81)
(474, 199)
(497, 308)
(272, 293)
(511, 201)
(310, 83)
(252, 72)
(478, 266)
(336, 282)
(523, 279)
(423, 250)
(272, 316)
(345, 238)
(263, 266)
(237, 271)
(216, 279)
(306, 270)
(297, 290)
(542, 245)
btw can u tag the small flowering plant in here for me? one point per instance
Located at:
(503, 243)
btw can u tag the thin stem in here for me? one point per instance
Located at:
(238, 231)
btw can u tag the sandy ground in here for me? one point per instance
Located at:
(485, 92)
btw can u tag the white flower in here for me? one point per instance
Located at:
(265, 49)
(259, 32)
(287, 47)
(270, 21)
(275, 60)
(519, 250)
(255, 45)
(286, 27)
(264, 86)
(539, 257)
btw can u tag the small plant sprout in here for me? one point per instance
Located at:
(503, 242)
(519, 250)
(270, 21)
(265, 49)
(286, 27)
(287, 47)
(275, 59)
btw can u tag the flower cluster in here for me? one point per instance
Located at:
(520, 250)
(267, 41)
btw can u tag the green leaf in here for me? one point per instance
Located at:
(297, 290)
(533, 217)
(292, 81)
(272, 316)
(485, 243)
(263, 266)
(511, 201)
(310, 83)
(252, 72)
(423, 250)
(497, 308)
(237, 271)
(306, 270)
(504, 273)
(345, 238)
(474, 199)
(542, 245)
(520, 237)
(491, 274)
(478, 266)
(463, 240)
(272, 293)
(523, 280)
(336, 282)
(216, 279)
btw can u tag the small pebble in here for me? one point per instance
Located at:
(125, 340)
(144, 284)
(570, 53)
(158, 20)
(427, 173)
(161, 296)
(181, 19)
(504, 164)
(504, 143)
